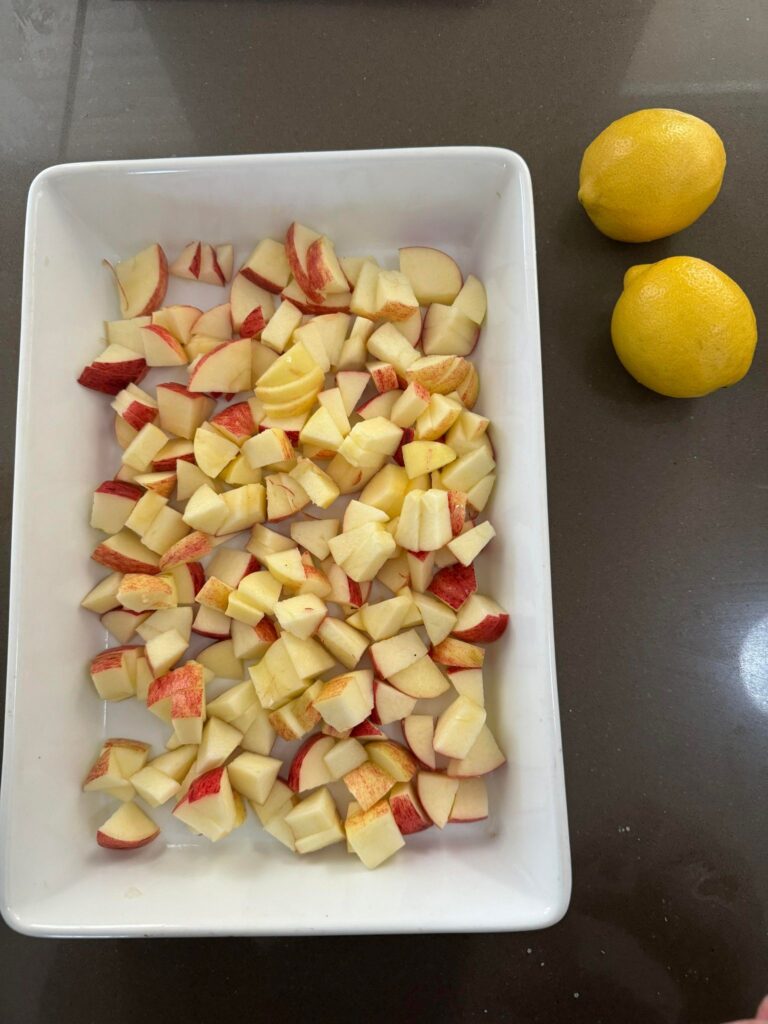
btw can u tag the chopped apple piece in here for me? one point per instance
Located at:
(142, 282)
(433, 275)
(343, 702)
(397, 653)
(422, 680)
(253, 775)
(113, 672)
(344, 757)
(127, 829)
(314, 534)
(368, 784)
(458, 727)
(209, 805)
(448, 331)
(301, 615)
(437, 793)
(480, 620)
(374, 835)
(390, 705)
(268, 266)
(308, 769)
(406, 810)
(471, 802)
(344, 642)
(315, 822)
(454, 585)
(484, 758)
(472, 300)
(394, 759)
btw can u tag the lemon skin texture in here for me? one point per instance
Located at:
(683, 328)
(651, 174)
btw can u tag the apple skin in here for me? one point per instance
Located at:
(194, 546)
(297, 267)
(453, 585)
(236, 421)
(407, 811)
(368, 731)
(408, 435)
(253, 324)
(485, 632)
(294, 773)
(112, 378)
(121, 488)
(110, 843)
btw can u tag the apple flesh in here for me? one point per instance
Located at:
(437, 793)
(471, 802)
(127, 829)
(268, 266)
(484, 757)
(374, 835)
(142, 282)
(418, 733)
(480, 620)
(433, 274)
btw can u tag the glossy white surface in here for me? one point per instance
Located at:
(511, 872)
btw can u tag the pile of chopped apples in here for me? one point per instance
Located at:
(321, 378)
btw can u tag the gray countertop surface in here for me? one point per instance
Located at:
(658, 508)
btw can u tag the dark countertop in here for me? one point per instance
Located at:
(658, 508)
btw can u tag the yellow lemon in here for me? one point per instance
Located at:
(650, 174)
(683, 328)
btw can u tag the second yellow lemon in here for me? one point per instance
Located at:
(683, 328)
(650, 174)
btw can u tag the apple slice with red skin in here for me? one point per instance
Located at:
(142, 281)
(418, 733)
(211, 269)
(368, 731)
(235, 422)
(408, 813)
(457, 508)
(161, 348)
(298, 240)
(434, 275)
(215, 322)
(135, 406)
(471, 803)
(437, 793)
(326, 304)
(124, 552)
(252, 307)
(226, 368)
(454, 585)
(179, 320)
(323, 268)
(178, 449)
(480, 620)
(389, 704)
(113, 502)
(127, 829)
(455, 653)
(114, 370)
(268, 266)
(192, 548)
(187, 263)
(308, 769)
